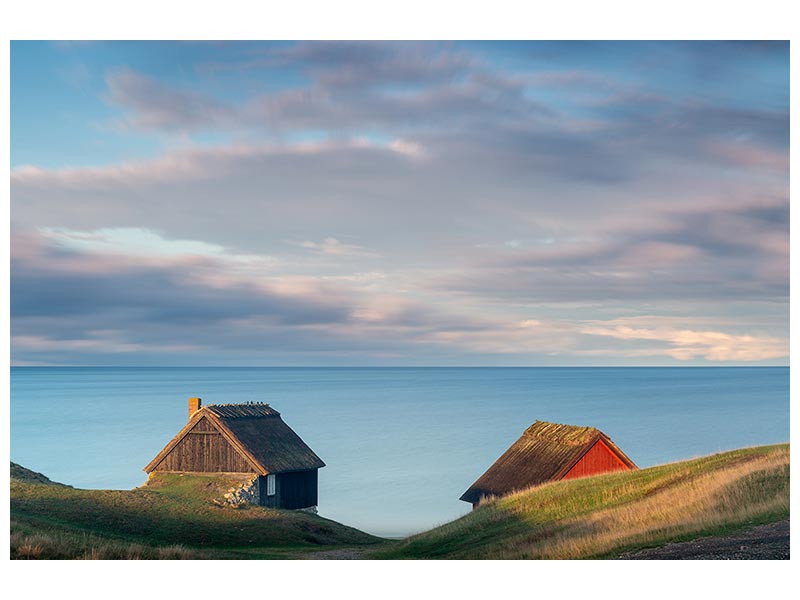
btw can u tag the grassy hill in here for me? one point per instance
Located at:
(603, 516)
(175, 516)
(20, 473)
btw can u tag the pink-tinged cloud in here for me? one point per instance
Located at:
(111, 303)
(334, 247)
(197, 164)
(686, 344)
(98, 344)
(749, 156)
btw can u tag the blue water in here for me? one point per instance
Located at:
(401, 444)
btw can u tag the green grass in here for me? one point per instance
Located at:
(176, 516)
(170, 511)
(603, 516)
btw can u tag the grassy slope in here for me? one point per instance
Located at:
(20, 473)
(174, 516)
(605, 515)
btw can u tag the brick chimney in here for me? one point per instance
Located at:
(194, 406)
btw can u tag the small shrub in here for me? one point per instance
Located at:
(28, 551)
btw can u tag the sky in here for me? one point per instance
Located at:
(400, 203)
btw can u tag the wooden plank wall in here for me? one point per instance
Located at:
(599, 459)
(204, 450)
(296, 489)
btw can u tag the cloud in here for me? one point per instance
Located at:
(77, 300)
(99, 341)
(713, 253)
(230, 196)
(694, 129)
(334, 247)
(409, 148)
(353, 186)
(530, 323)
(687, 344)
(176, 289)
(84, 304)
(354, 64)
(424, 219)
(370, 64)
(128, 240)
(155, 105)
(200, 163)
(428, 201)
(440, 94)
(748, 156)
(352, 87)
(523, 129)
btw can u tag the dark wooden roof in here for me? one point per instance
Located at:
(545, 452)
(257, 431)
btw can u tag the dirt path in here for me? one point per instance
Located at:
(763, 542)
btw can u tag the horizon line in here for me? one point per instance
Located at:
(400, 366)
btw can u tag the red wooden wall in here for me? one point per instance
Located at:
(599, 459)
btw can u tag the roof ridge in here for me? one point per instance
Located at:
(248, 403)
(538, 422)
(560, 432)
(242, 410)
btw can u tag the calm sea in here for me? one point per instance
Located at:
(401, 444)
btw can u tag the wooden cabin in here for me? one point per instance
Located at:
(245, 438)
(549, 452)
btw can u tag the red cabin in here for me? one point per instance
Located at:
(549, 452)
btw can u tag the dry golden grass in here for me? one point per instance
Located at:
(55, 544)
(710, 501)
(605, 515)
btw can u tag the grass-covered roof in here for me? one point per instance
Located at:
(545, 452)
(257, 431)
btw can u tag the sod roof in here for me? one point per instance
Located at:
(257, 431)
(545, 452)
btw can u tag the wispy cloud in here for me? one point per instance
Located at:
(156, 105)
(506, 203)
(687, 344)
(128, 240)
(691, 254)
(334, 247)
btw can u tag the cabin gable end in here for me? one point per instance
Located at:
(598, 459)
(203, 448)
